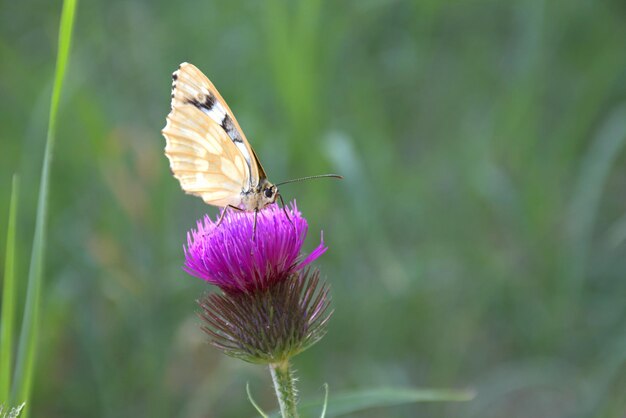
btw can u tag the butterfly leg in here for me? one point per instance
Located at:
(282, 202)
(256, 211)
(219, 221)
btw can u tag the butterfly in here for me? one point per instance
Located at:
(209, 153)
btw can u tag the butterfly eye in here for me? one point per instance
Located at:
(268, 193)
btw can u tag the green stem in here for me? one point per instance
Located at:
(285, 386)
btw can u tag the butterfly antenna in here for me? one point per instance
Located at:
(319, 176)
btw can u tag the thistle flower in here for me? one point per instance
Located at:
(228, 257)
(272, 306)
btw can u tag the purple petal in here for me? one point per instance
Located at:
(317, 253)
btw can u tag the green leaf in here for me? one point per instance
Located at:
(362, 400)
(7, 324)
(26, 353)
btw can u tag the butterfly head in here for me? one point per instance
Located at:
(268, 193)
(260, 196)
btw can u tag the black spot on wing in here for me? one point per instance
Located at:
(209, 102)
(228, 126)
(204, 102)
(173, 94)
(227, 123)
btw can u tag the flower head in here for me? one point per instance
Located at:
(229, 256)
(271, 306)
(272, 325)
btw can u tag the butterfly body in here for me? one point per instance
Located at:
(207, 150)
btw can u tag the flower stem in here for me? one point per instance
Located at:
(285, 386)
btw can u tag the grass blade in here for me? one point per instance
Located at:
(362, 400)
(323, 414)
(25, 365)
(254, 404)
(596, 166)
(7, 324)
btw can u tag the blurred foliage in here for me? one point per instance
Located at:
(476, 241)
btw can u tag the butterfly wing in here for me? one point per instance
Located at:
(203, 157)
(191, 86)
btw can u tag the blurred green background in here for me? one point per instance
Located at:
(477, 240)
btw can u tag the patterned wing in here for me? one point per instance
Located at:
(203, 156)
(192, 87)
